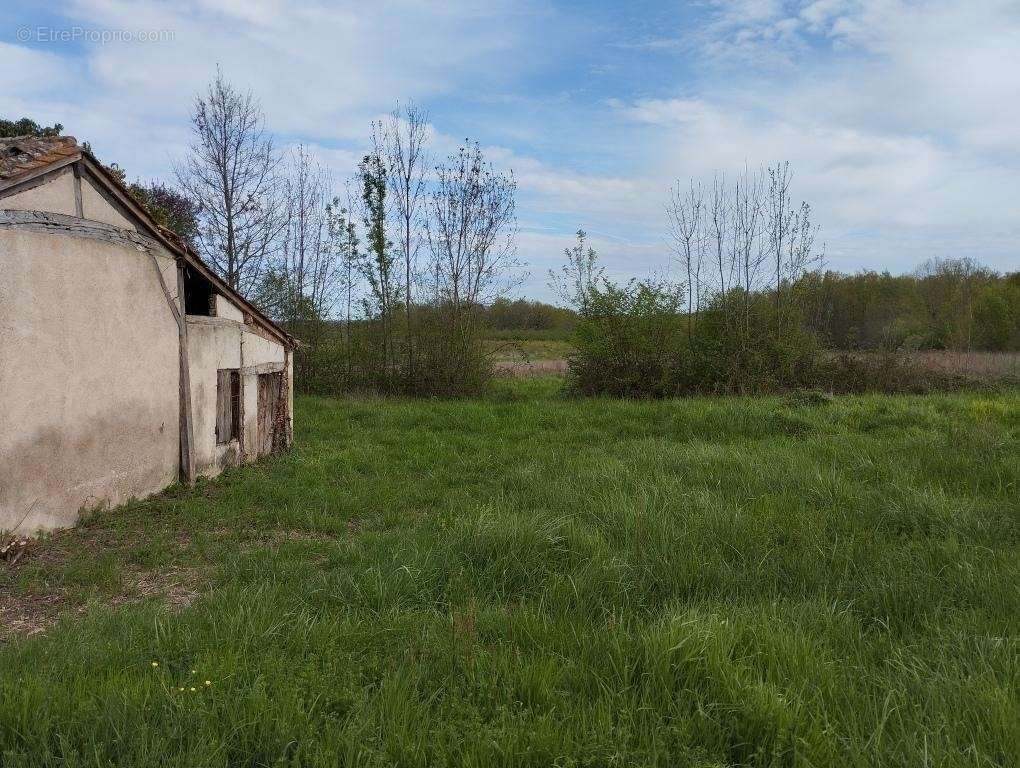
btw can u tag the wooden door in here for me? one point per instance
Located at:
(269, 403)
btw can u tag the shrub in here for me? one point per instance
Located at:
(994, 321)
(449, 357)
(633, 341)
(627, 341)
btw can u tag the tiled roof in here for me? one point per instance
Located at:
(21, 155)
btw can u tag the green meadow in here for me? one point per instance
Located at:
(526, 579)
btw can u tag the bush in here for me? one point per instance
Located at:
(448, 359)
(451, 358)
(627, 342)
(633, 341)
(994, 321)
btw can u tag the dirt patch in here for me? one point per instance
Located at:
(29, 613)
(178, 587)
(528, 369)
(273, 537)
(37, 606)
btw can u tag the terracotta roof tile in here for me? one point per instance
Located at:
(23, 154)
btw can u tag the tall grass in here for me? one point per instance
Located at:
(530, 580)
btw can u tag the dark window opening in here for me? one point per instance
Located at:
(198, 293)
(228, 405)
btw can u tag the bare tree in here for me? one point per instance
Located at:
(755, 240)
(748, 252)
(686, 212)
(307, 260)
(470, 229)
(801, 255)
(407, 158)
(718, 230)
(780, 223)
(230, 173)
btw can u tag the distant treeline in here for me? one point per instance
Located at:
(527, 319)
(954, 304)
(947, 304)
(748, 307)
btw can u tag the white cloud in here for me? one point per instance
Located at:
(31, 73)
(899, 116)
(321, 71)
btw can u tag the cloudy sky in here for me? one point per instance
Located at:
(900, 117)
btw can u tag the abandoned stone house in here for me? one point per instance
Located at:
(125, 362)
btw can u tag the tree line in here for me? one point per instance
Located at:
(393, 277)
(953, 304)
(749, 307)
(382, 281)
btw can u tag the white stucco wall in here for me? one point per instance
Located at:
(89, 408)
(226, 308)
(89, 368)
(212, 344)
(56, 196)
(96, 208)
(216, 343)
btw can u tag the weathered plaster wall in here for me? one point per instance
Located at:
(260, 356)
(226, 308)
(216, 343)
(212, 344)
(56, 196)
(95, 207)
(89, 408)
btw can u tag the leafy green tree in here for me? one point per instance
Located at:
(378, 266)
(343, 235)
(27, 127)
(278, 298)
(166, 205)
(993, 320)
(169, 208)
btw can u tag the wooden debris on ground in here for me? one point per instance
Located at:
(12, 549)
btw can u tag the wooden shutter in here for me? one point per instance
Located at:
(268, 410)
(228, 405)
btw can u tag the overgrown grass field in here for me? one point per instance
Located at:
(528, 580)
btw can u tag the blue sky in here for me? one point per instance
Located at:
(900, 117)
